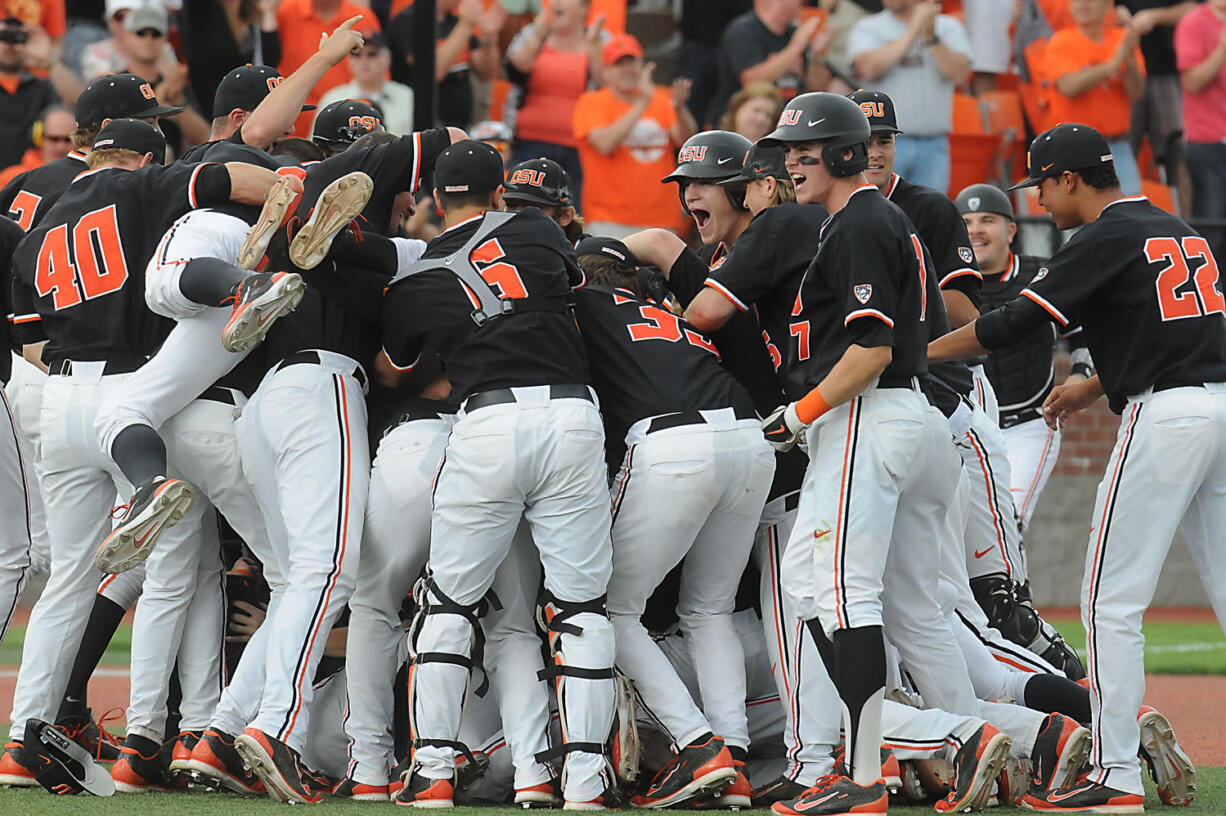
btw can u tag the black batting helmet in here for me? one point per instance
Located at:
(830, 118)
(984, 198)
(711, 156)
(344, 122)
(539, 181)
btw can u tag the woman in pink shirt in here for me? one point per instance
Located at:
(550, 62)
(1200, 55)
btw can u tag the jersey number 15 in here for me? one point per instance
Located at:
(1205, 298)
(92, 267)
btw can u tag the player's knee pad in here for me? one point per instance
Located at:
(582, 648)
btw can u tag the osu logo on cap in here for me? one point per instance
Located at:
(528, 176)
(693, 153)
(147, 91)
(273, 82)
(367, 123)
(789, 117)
(872, 109)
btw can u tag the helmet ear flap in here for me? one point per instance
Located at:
(681, 196)
(736, 198)
(832, 157)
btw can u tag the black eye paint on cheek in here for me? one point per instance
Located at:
(809, 160)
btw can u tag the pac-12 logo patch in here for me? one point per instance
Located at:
(973, 202)
(965, 254)
(862, 291)
(1040, 275)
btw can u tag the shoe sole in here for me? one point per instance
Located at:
(583, 806)
(1165, 755)
(124, 787)
(535, 800)
(1074, 755)
(429, 804)
(259, 762)
(249, 326)
(280, 198)
(18, 781)
(1090, 809)
(119, 551)
(205, 775)
(991, 763)
(709, 783)
(338, 204)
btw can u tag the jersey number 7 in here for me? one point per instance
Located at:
(1205, 298)
(92, 267)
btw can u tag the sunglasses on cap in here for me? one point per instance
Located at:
(14, 36)
(149, 32)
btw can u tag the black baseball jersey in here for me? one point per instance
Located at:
(1022, 373)
(941, 228)
(646, 361)
(395, 167)
(1145, 288)
(431, 312)
(867, 286)
(82, 269)
(10, 237)
(28, 196)
(762, 273)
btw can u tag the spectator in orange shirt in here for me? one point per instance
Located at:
(301, 22)
(1096, 73)
(53, 141)
(627, 133)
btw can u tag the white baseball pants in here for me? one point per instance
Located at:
(1033, 449)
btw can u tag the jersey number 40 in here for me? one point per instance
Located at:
(1202, 299)
(92, 266)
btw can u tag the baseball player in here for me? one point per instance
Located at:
(344, 122)
(991, 542)
(1144, 287)
(1021, 375)
(693, 445)
(99, 331)
(528, 442)
(544, 184)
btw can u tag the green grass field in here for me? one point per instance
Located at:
(1210, 799)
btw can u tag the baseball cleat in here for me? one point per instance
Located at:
(977, 765)
(66, 767)
(1059, 751)
(1084, 797)
(548, 794)
(1173, 773)
(609, 799)
(91, 735)
(339, 203)
(891, 772)
(277, 765)
(156, 505)
(777, 790)
(700, 769)
(215, 764)
(279, 205)
(259, 300)
(422, 792)
(361, 792)
(14, 772)
(833, 795)
(181, 753)
(737, 796)
(143, 766)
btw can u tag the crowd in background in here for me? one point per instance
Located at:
(567, 82)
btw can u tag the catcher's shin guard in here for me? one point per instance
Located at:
(447, 643)
(1007, 605)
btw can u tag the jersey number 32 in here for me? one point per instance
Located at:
(91, 266)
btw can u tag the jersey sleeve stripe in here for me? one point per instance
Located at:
(191, 186)
(960, 273)
(416, 163)
(24, 318)
(723, 290)
(404, 368)
(1045, 305)
(868, 313)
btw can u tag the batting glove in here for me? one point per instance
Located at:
(783, 427)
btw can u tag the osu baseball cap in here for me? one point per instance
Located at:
(468, 167)
(612, 247)
(119, 96)
(619, 46)
(345, 121)
(539, 181)
(764, 161)
(879, 109)
(245, 87)
(132, 134)
(1065, 147)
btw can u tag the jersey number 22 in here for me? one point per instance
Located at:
(1205, 299)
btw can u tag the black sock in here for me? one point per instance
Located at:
(824, 647)
(1051, 693)
(140, 454)
(374, 252)
(104, 619)
(859, 660)
(174, 697)
(401, 737)
(208, 281)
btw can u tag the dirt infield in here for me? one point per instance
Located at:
(1194, 705)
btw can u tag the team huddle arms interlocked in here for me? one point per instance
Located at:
(646, 525)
